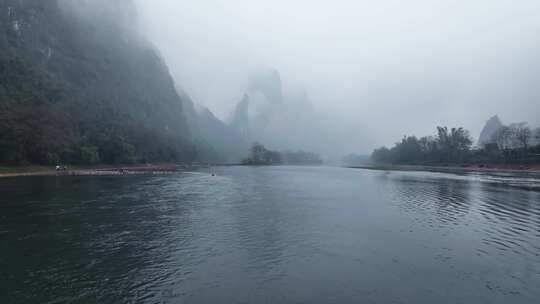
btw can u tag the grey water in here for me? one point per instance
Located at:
(270, 235)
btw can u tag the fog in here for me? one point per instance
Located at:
(375, 70)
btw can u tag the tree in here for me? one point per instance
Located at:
(272, 157)
(510, 144)
(408, 150)
(503, 138)
(259, 155)
(429, 148)
(258, 152)
(454, 144)
(522, 134)
(449, 145)
(444, 143)
(382, 155)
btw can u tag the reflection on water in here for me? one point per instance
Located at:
(271, 235)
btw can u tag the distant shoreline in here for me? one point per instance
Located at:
(103, 170)
(491, 169)
(165, 169)
(111, 170)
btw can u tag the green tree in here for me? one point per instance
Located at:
(454, 143)
(449, 145)
(382, 155)
(259, 155)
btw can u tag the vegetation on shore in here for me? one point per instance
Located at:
(86, 170)
(72, 92)
(452, 168)
(511, 145)
(261, 156)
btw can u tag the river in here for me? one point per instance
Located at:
(271, 235)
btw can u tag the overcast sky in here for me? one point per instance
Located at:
(395, 67)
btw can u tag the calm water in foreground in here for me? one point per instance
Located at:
(270, 235)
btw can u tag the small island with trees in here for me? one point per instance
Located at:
(261, 156)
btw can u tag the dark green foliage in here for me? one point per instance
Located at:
(21, 83)
(382, 155)
(449, 146)
(34, 133)
(453, 145)
(89, 154)
(261, 156)
(83, 90)
(511, 145)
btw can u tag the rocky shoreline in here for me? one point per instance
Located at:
(102, 171)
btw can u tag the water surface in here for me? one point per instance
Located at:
(270, 235)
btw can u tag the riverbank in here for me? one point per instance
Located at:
(535, 169)
(100, 170)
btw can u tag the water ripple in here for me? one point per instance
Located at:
(278, 234)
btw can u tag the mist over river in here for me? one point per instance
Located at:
(271, 235)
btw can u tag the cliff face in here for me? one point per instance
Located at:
(214, 140)
(240, 118)
(491, 126)
(78, 84)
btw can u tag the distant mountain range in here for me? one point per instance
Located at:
(80, 85)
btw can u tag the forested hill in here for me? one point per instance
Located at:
(79, 85)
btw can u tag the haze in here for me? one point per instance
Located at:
(380, 69)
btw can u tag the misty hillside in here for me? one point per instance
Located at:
(84, 89)
(213, 139)
(284, 117)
